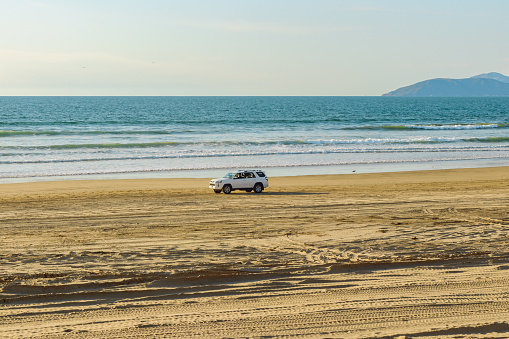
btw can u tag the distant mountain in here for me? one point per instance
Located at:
(492, 75)
(483, 85)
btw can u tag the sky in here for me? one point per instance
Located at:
(235, 47)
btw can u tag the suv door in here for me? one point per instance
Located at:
(250, 179)
(239, 180)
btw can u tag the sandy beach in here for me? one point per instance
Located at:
(387, 255)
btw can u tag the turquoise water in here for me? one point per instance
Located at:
(48, 138)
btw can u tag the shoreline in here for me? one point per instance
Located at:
(418, 176)
(298, 170)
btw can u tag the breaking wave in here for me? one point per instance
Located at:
(433, 127)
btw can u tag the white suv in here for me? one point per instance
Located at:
(244, 180)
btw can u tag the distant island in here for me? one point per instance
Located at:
(483, 85)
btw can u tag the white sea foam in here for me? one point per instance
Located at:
(455, 126)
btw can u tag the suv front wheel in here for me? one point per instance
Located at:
(227, 189)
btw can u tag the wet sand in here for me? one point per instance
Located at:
(412, 254)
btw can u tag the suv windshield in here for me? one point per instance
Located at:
(229, 175)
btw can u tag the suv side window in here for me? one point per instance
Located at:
(260, 174)
(250, 175)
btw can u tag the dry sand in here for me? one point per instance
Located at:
(414, 254)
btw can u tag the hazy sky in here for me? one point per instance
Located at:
(235, 47)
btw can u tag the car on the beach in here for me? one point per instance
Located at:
(242, 180)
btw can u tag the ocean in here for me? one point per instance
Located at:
(58, 138)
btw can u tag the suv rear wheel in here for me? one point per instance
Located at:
(258, 188)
